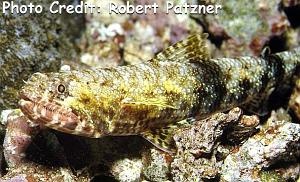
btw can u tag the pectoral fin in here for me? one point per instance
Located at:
(191, 49)
(162, 138)
(157, 102)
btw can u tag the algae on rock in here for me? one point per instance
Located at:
(32, 43)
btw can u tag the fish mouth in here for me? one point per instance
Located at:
(48, 113)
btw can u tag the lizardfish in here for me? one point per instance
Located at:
(155, 97)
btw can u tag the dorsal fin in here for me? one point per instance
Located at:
(162, 138)
(190, 49)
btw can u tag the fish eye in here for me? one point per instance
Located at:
(61, 88)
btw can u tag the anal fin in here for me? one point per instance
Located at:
(162, 138)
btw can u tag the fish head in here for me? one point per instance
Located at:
(61, 101)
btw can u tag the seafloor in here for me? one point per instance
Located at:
(231, 146)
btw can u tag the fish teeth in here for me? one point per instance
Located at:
(55, 118)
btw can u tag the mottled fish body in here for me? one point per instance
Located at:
(155, 97)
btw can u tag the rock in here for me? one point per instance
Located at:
(101, 54)
(104, 17)
(245, 128)
(102, 40)
(20, 137)
(294, 102)
(17, 138)
(278, 141)
(127, 170)
(289, 3)
(204, 135)
(29, 44)
(186, 167)
(200, 155)
(156, 165)
(199, 152)
(29, 172)
(246, 30)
